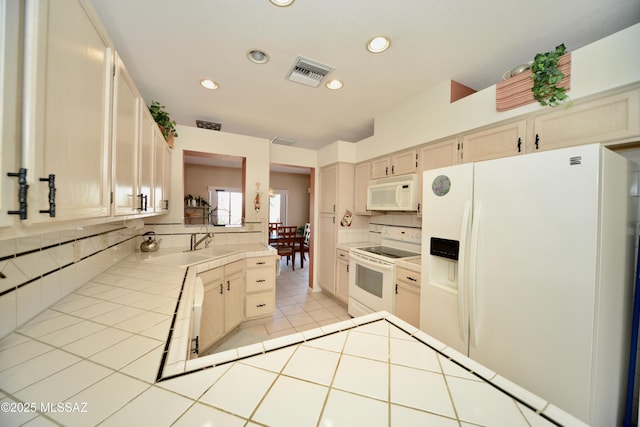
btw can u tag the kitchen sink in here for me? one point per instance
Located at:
(214, 252)
(180, 259)
(185, 259)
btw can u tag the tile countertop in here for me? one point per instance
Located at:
(94, 357)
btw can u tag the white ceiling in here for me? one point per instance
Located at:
(170, 45)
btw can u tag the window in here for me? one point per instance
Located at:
(278, 206)
(226, 206)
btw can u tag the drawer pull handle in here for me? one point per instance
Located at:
(412, 279)
(261, 305)
(260, 280)
(260, 263)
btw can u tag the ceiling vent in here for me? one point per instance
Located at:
(282, 141)
(208, 125)
(308, 72)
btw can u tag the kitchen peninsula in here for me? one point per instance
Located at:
(95, 358)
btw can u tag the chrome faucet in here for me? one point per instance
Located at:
(195, 243)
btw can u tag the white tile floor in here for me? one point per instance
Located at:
(297, 309)
(373, 370)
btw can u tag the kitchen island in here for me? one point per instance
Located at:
(96, 357)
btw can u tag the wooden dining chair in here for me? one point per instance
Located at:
(304, 248)
(286, 243)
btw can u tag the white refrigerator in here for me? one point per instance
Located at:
(527, 268)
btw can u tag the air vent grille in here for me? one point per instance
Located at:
(282, 141)
(208, 125)
(308, 72)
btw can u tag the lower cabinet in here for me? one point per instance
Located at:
(260, 286)
(342, 275)
(408, 296)
(222, 308)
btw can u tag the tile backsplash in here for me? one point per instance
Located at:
(39, 269)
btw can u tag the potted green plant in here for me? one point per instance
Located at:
(547, 76)
(162, 118)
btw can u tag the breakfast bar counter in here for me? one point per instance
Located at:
(95, 358)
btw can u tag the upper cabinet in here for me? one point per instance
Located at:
(126, 136)
(613, 118)
(162, 172)
(498, 141)
(397, 164)
(77, 139)
(9, 113)
(362, 175)
(66, 99)
(434, 156)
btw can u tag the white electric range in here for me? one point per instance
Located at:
(372, 270)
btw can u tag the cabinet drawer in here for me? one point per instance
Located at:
(407, 276)
(261, 261)
(259, 304)
(260, 279)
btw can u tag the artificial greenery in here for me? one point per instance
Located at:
(547, 76)
(162, 118)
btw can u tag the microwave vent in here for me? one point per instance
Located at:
(308, 72)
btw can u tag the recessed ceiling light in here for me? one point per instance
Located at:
(209, 84)
(378, 44)
(334, 84)
(282, 3)
(258, 56)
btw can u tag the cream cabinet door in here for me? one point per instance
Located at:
(404, 162)
(234, 295)
(381, 167)
(212, 322)
(146, 186)
(126, 135)
(499, 141)
(67, 79)
(328, 181)
(342, 275)
(326, 235)
(614, 118)
(362, 174)
(434, 156)
(9, 113)
(166, 177)
(162, 172)
(408, 303)
(408, 296)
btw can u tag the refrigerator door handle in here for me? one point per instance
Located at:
(473, 261)
(463, 312)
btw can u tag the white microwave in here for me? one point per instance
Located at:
(396, 193)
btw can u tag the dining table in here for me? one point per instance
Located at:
(298, 245)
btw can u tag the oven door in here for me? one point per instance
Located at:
(371, 283)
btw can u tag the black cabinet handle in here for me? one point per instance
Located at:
(228, 285)
(221, 288)
(143, 202)
(537, 140)
(261, 305)
(393, 169)
(22, 193)
(51, 179)
(519, 144)
(260, 280)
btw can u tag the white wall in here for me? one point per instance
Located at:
(605, 64)
(254, 150)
